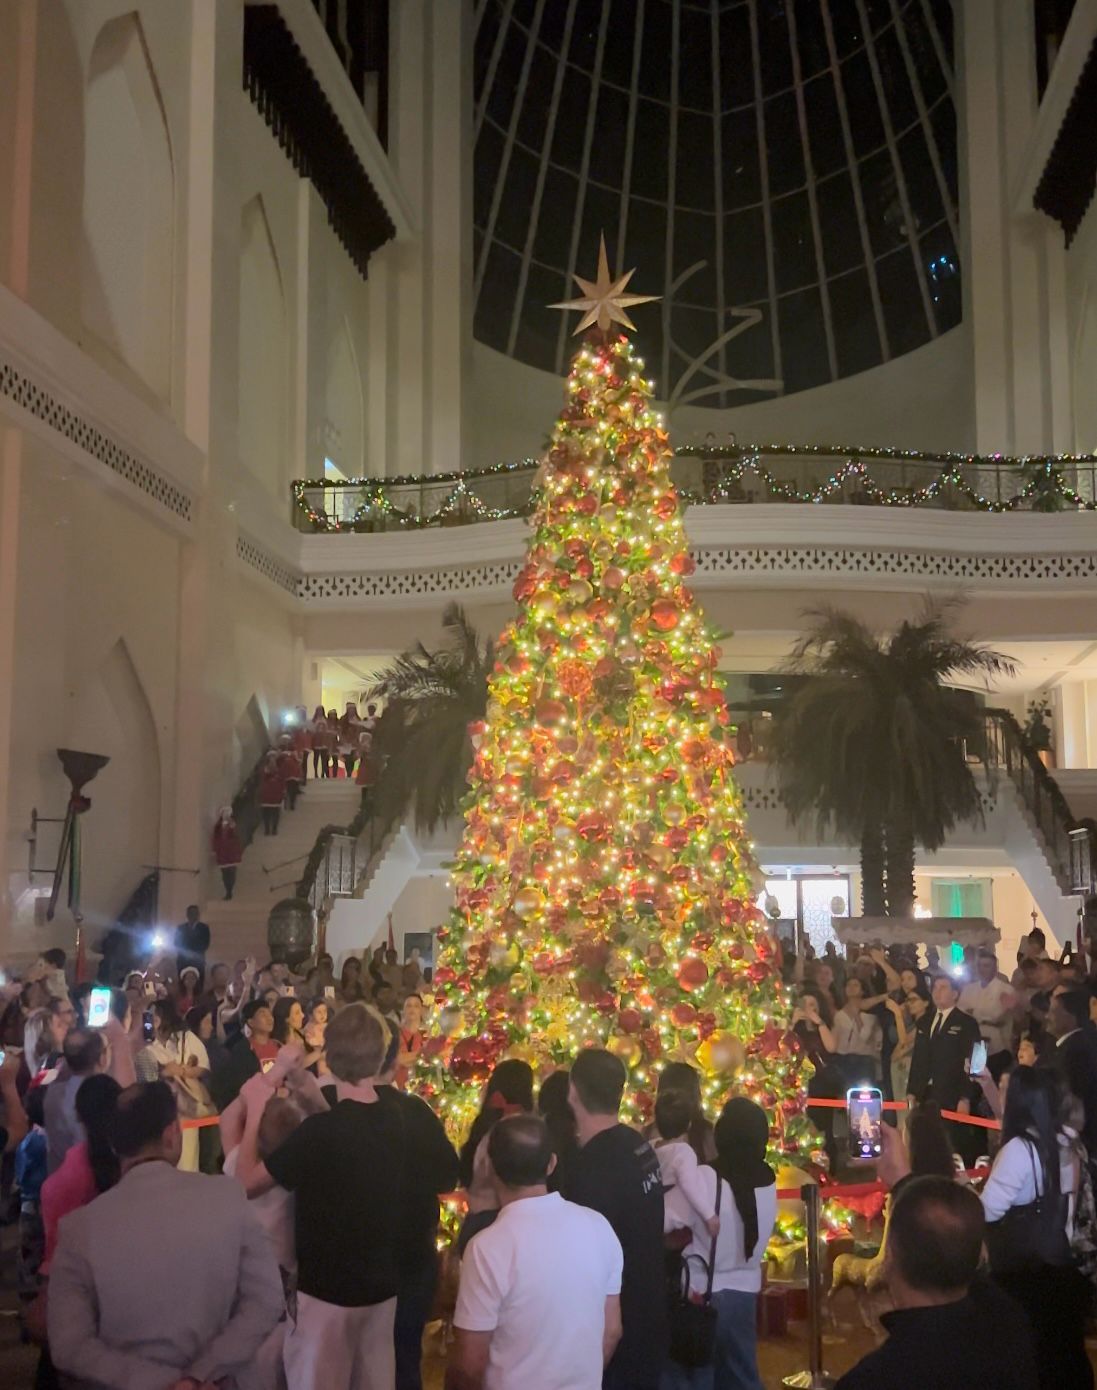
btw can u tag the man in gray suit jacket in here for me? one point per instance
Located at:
(167, 1281)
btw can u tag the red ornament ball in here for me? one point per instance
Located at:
(682, 1015)
(549, 712)
(692, 973)
(471, 1060)
(665, 614)
(631, 1020)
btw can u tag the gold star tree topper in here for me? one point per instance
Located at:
(604, 300)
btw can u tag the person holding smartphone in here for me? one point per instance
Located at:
(991, 1001)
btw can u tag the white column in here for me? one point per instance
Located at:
(1072, 737)
(1012, 257)
(980, 148)
(203, 717)
(407, 396)
(19, 33)
(310, 338)
(449, 228)
(430, 276)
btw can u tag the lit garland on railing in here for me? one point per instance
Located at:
(1044, 487)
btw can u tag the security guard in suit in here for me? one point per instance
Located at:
(939, 1064)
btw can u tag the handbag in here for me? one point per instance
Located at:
(693, 1324)
(1032, 1236)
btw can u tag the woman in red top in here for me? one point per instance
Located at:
(290, 761)
(227, 849)
(272, 790)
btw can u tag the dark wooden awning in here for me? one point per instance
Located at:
(294, 105)
(1069, 180)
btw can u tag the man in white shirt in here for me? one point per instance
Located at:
(539, 1300)
(990, 1001)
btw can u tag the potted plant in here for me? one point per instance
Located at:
(1037, 730)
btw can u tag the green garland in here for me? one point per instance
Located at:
(1045, 487)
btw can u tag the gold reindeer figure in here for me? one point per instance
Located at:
(865, 1274)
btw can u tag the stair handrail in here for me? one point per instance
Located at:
(312, 885)
(1040, 793)
(246, 811)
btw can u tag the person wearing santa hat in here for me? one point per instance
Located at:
(272, 790)
(227, 849)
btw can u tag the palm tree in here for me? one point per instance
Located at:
(422, 739)
(874, 743)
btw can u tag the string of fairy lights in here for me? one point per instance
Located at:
(1029, 483)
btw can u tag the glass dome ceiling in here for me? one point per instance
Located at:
(783, 172)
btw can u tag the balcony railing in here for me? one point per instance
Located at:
(712, 475)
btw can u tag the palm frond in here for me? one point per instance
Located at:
(422, 737)
(874, 735)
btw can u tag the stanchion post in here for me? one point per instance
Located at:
(814, 1378)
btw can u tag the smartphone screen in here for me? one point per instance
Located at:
(148, 1026)
(978, 1057)
(329, 991)
(98, 1007)
(865, 1112)
(150, 990)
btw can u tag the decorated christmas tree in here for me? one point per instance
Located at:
(605, 887)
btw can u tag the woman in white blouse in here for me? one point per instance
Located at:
(183, 1062)
(748, 1213)
(1028, 1202)
(858, 1036)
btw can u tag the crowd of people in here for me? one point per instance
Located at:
(882, 1018)
(256, 1121)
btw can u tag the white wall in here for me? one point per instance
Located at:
(94, 669)
(148, 213)
(1081, 273)
(919, 401)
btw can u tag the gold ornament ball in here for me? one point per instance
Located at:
(625, 1047)
(500, 954)
(721, 1053)
(528, 903)
(449, 1020)
(674, 813)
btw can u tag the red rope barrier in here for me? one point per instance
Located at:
(978, 1120)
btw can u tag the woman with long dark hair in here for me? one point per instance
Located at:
(182, 1060)
(686, 1079)
(1028, 1202)
(744, 1192)
(289, 1021)
(88, 1169)
(509, 1091)
(554, 1109)
(813, 1024)
(351, 990)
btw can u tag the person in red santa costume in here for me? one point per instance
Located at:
(227, 849)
